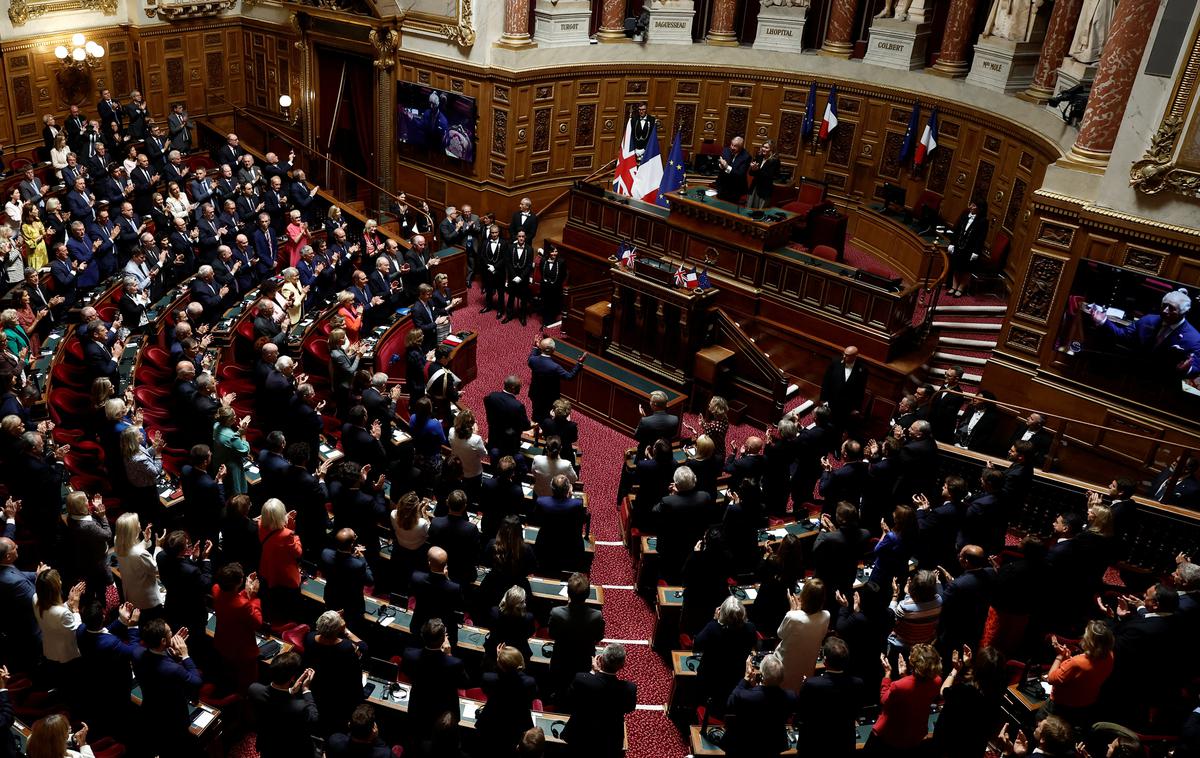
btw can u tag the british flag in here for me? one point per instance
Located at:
(627, 164)
(680, 276)
(627, 254)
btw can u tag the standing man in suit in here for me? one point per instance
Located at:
(945, 406)
(969, 235)
(560, 516)
(180, 128)
(83, 253)
(506, 419)
(416, 268)
(458, 536)
(472, 240)
(844, 388)
(492, 255)
(170, 681)
(732, 168)
(22, 635)
(436, 677)
(284, 710)
(266, 247)
(112, 115)
(80, 202)
(639, 133)
(978, 424)
(31, 188)
(452, 228)
(436, 596)
(576, 628)
(423, 318)
(554, 276)
(346, 574)
(598, 702)
(1034, 430)
(656, 425)
(76, 124)
(144, 179)
(231, 152)
(545, 384)
(136, 111)
(682, 518)
(518, 273)
(765, 170)
(524, 220)
(828, 705)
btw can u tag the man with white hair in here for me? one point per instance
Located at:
(524, 220)
(230, 152)
(418, 261)
(762, 708)
(133, 305)
(208, 293)
(681, 516)
(266, 325)
(1167, 338)
(452, 229)
(598, 704)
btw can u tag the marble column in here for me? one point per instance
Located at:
(516, 25)
(720, 25)
(952, 60)
(839, 37)
(1059, 31)
(612, 22)
(1119, 64)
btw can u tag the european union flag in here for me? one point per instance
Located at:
(910, 134)
(705, 283)
(810, 109)
(673, 176)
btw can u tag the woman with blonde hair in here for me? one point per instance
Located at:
(229, 449)
(801, 633)
(143, 468)
(351, 314)
(502, 723)
(279, 565)
(468, 445)
(1076, 679)
(292, 294)
(414, 365)
(138, 565)
(899, 730)
(49, 737)
(333, 221)
(58, 154)
(372, 241)
(509, 624)
(178, 203)
(714, 421)
(33, 231)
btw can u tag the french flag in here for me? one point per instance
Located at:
(928, 140)
(691, 279)
(830, 121)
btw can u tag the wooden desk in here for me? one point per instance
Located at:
(204, 717)
(888, 238)
(701, 746)
(694, 211)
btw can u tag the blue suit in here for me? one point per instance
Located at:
(559, 545)
(105, 660)
(77, 204)
(545, 385)
(23, 643)
(168, 687)
(81, 250)
(105, 259)
(1180, 343)
(422, 318)
(266, 245)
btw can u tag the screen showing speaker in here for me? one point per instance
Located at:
(435, 122)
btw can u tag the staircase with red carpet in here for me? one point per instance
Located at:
(966, 329)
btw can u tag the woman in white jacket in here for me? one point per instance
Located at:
(57, 619)
(136, 554)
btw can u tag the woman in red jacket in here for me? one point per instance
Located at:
(279, 567)
(904, 718)
(239, 616)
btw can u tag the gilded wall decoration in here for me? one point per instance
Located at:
(539, 167)
(740, 91)
(541, 130)
(795, 96)
(1144, 260)
(889, 165)
(431, 17)
(120, 75)
(899, 116)
(501, 93)
(582, 162)
(386, 42)
(21, 11)
(590, 88)
(175, 82)
(939, 169)
(840, 144)
(585, 125)
(847, 105)
(735, 123)
(1024, 340)
(22, 95)
(1055, 235)
(636, 87)
(685, 121)
(948, 128)
(1039, 286)
(544, 92)
(1172, 162)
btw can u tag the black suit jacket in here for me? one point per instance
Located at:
(100, 361)
(285, 722)
(362, 448)
(658, 425)
(979, 439)
(968, 240)
(436, 596)
(506, 420)
(827, 706)
(461, 541)
(598, 704)
(943, 413)
(576, 630)
(529, 225)
(681, 521)
(845, 396)
(436, 679)
(836, 556)
(1041, 440)
(756, 717)
(731, 185)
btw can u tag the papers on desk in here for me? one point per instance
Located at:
(778, 533)
(453, 339)
(468, 711)
(203, 719)
(563, 591)
(252, 469)
(527, 489)
(364, 678)
(526, 445)
(751, 592)
(1046, 687)
(399, 437)
(387, 621)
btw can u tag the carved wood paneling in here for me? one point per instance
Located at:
(1039, 287)
(1145, 260)
(983, 181)
(1015, 201)
(939, 168)
(1025, 340)
(841, 144)
(889, 166)
(790, 123)
(585, 125)
(685, 121)
(735, 123)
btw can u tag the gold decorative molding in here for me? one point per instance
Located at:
(459, 28)
(172, 10)
(386, 42)
(21, 11)
(1172, 162)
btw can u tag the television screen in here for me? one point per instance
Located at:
(434, 121)
(1133, 333)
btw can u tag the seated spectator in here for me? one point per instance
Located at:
(284, 710)
(758, 710)
(903, 722)
(723, 645)
(801, 633)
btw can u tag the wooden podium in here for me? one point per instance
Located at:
(657, 328)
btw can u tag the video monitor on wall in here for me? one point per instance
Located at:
(1136, 334)
(435, 122)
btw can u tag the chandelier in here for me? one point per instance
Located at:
(83, 52)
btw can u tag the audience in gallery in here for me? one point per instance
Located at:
(269, 587)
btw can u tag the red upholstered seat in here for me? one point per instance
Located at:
(156, 356)
(825, 251)
(294, 636)
(811, 194)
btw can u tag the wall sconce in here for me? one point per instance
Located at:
(82, 53)
(285, 105)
